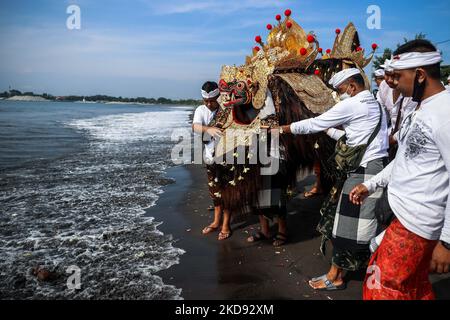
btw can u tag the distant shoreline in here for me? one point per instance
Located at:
(16, 95)
(41, 99)
(27, 98)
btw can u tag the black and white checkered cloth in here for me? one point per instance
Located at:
(354, 225)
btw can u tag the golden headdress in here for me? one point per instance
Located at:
(347, 47)
(288, 46)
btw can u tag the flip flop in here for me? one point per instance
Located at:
(209, 229)
(258, 236)
(224, 235)
(280, 239)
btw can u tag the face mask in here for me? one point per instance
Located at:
(419, 89)
(344, 96)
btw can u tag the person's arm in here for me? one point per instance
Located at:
(363, 190)
(335, 134)
(440, 261)
(442, 139)
(212, 131)
(381, 180)
(336, 116)
(198, 127)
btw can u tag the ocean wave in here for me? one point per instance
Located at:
(87, 210)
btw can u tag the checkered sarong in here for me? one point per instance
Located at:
(354, 225)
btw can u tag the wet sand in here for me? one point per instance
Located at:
(234, 269)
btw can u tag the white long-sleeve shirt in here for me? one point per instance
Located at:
(385, 96)
(358, 116)
(418, 178)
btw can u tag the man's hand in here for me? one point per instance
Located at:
(440, 260)
(214, 132)
(358, 194)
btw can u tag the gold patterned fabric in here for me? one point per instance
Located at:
(311, 90)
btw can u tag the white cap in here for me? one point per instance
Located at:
(343, 75)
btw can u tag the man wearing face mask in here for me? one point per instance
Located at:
(418, 241)
(350, 227)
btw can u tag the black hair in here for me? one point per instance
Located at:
(358, 79)
(421, 45)
(209, 86)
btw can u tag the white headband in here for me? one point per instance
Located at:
(210, 95)
(411, 60)
(387, 65)
(343, 75)
(379, 73)
(448, 78)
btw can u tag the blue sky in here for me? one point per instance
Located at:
(168, 48)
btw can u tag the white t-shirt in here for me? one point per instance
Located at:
(204, 116)
(418, 179)
(358, 116)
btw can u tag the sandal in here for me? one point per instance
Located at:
(280, 239)
(224, 235)
(257, 236)
(329, 285)
(209, 229)
(324, 277)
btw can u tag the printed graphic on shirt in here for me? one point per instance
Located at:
(415, 143)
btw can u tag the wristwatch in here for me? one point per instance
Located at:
(446, 245)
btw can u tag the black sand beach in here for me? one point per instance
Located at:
(235, 269)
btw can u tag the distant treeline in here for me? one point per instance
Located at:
(102, 98)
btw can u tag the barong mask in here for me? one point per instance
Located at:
(235, 93)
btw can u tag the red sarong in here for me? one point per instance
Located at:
(399, 269)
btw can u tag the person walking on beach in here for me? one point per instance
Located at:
(362, 152)
(418, 240)
(203, 115)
